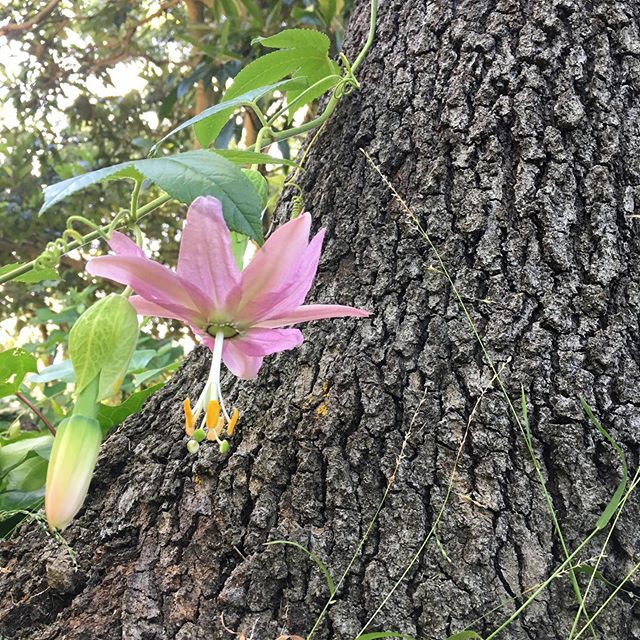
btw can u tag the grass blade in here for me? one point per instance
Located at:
(321, 565)
(610, 509)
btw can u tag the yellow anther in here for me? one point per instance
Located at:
(189, 420)
(213, 414)
(231, 427)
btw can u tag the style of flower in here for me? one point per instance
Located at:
(242, 316)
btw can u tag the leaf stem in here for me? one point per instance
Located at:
(258, 111)
(135, 194)
(37, 411)
(300, 98)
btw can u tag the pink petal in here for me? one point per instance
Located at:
(123, 246)
(152, 281)
(312, 312)
(207, 338)
(292, 292)
(205, 257)
(273, 264)
(263, 342)
(175, 312)
(241, 365)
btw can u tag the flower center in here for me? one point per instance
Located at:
(227, 329)
(216, 418)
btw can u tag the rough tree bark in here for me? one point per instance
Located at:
(513, 129)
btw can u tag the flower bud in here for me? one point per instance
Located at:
(73, 457)
(199, 435)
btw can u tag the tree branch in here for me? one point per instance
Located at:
(37, 411)
(19, 27)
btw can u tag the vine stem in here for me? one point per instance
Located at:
(370, 38)
(93, 235)
(37, 411)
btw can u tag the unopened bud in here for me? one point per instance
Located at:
(73, 457)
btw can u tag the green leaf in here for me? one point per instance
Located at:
(244, 157)
(465, 635)
(384, 634)
(314, 557)
(110, 417)
(305, 39)
(311, 49)
(140, 359)
(223, 109)
(184, 176)
(302, 54)
(264, 73)
(239, 244)
(611, 508)
(14, 366)
(32, 276)
(27, 476)
(102, 342)
(259, 183)
(140, 378)
(13, 454)
(328, 9)
(56, 192)
(62, 371)
(12, 501)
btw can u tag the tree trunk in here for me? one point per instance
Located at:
(512, 129)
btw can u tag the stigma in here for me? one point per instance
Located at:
(210, 410)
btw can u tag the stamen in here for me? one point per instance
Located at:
(189, 420)
(213, 414)
(213, 420)
(231, 427)
(211, 403)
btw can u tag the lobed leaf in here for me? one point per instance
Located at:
(301, 53)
